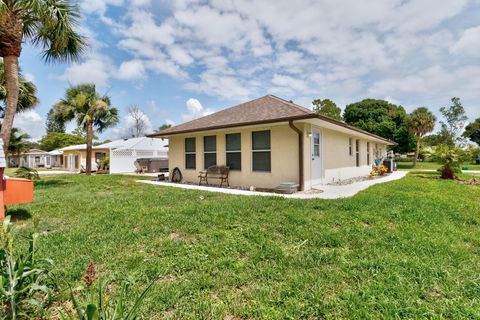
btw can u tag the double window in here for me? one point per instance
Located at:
(261, 152)
(190, 153)
(209, 151)
(234, 151)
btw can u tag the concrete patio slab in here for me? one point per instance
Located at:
(328, 191)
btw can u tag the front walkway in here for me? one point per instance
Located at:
(329, 191)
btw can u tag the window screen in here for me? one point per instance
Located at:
(190, 153)
(261, 157)
(233, 151)
(209, 151)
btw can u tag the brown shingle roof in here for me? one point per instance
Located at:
(267, 109)
(262, 110)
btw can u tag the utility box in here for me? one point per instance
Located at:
(17, 191)
(12, 190)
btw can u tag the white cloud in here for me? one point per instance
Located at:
(195, 110)
(469, 43)
(242, 49)
(131, 70)
(94, 70)
(31, 123)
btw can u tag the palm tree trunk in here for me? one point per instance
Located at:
(88, 167)
(10, 64)
(417, 151)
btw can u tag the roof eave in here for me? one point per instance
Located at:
(233, 125)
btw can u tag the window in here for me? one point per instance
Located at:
(316, 144)
(261, 151)
(209, 151)
(99, 156)
(357, 151)
(234, 151)
(350, 147)
(368, 153)
(190, 155)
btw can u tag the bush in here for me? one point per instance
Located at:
(404, 159)
(26, 173)
(23, 277)
(450, 158)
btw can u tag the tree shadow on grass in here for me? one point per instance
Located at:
(19, 214)
(44, 184)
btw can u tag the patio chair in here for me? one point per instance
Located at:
(140, 169)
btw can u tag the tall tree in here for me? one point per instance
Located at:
(164, 126)
(421, 121)
(48, 24)
(18, 142)
(56, 140)
(455, 118)
(27, 95)
(381, 118)
(472, 131)
(91, 110)
(137, 122)
(327, 107)
(53, 124)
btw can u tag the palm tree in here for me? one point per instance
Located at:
(421, 122)
(18, 142)
(48, 24)
(91, 110)
(27, 98)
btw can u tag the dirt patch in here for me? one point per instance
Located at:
(470, 182)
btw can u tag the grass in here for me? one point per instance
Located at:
(431, 166)
(403, 249)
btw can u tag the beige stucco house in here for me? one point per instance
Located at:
(269, 141)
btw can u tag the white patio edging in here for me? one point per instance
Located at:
(329, 191)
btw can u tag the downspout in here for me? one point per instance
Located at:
(300, 154)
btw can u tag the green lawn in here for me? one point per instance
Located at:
(432, 165)
(403, 249)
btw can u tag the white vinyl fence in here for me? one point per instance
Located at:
(122, 160)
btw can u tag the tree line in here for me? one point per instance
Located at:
(409, 130)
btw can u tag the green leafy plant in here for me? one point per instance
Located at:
(101, 302)
(105, 164)
(27, 173)
(450, 158)
(23, 277)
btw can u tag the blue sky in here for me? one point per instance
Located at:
(178, 60)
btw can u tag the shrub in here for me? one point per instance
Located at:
(26, 173)
(23, 277)
(450, 158)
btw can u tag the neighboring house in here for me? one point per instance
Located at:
(122, 154)
(34, 158)
(56, 159)
(268, 141)
(74, 157)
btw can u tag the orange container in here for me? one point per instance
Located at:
(17, 191)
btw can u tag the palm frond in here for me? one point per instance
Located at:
(53, 26)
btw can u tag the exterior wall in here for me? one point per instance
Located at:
(284, 157)
(82, 156)
(338, 163)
